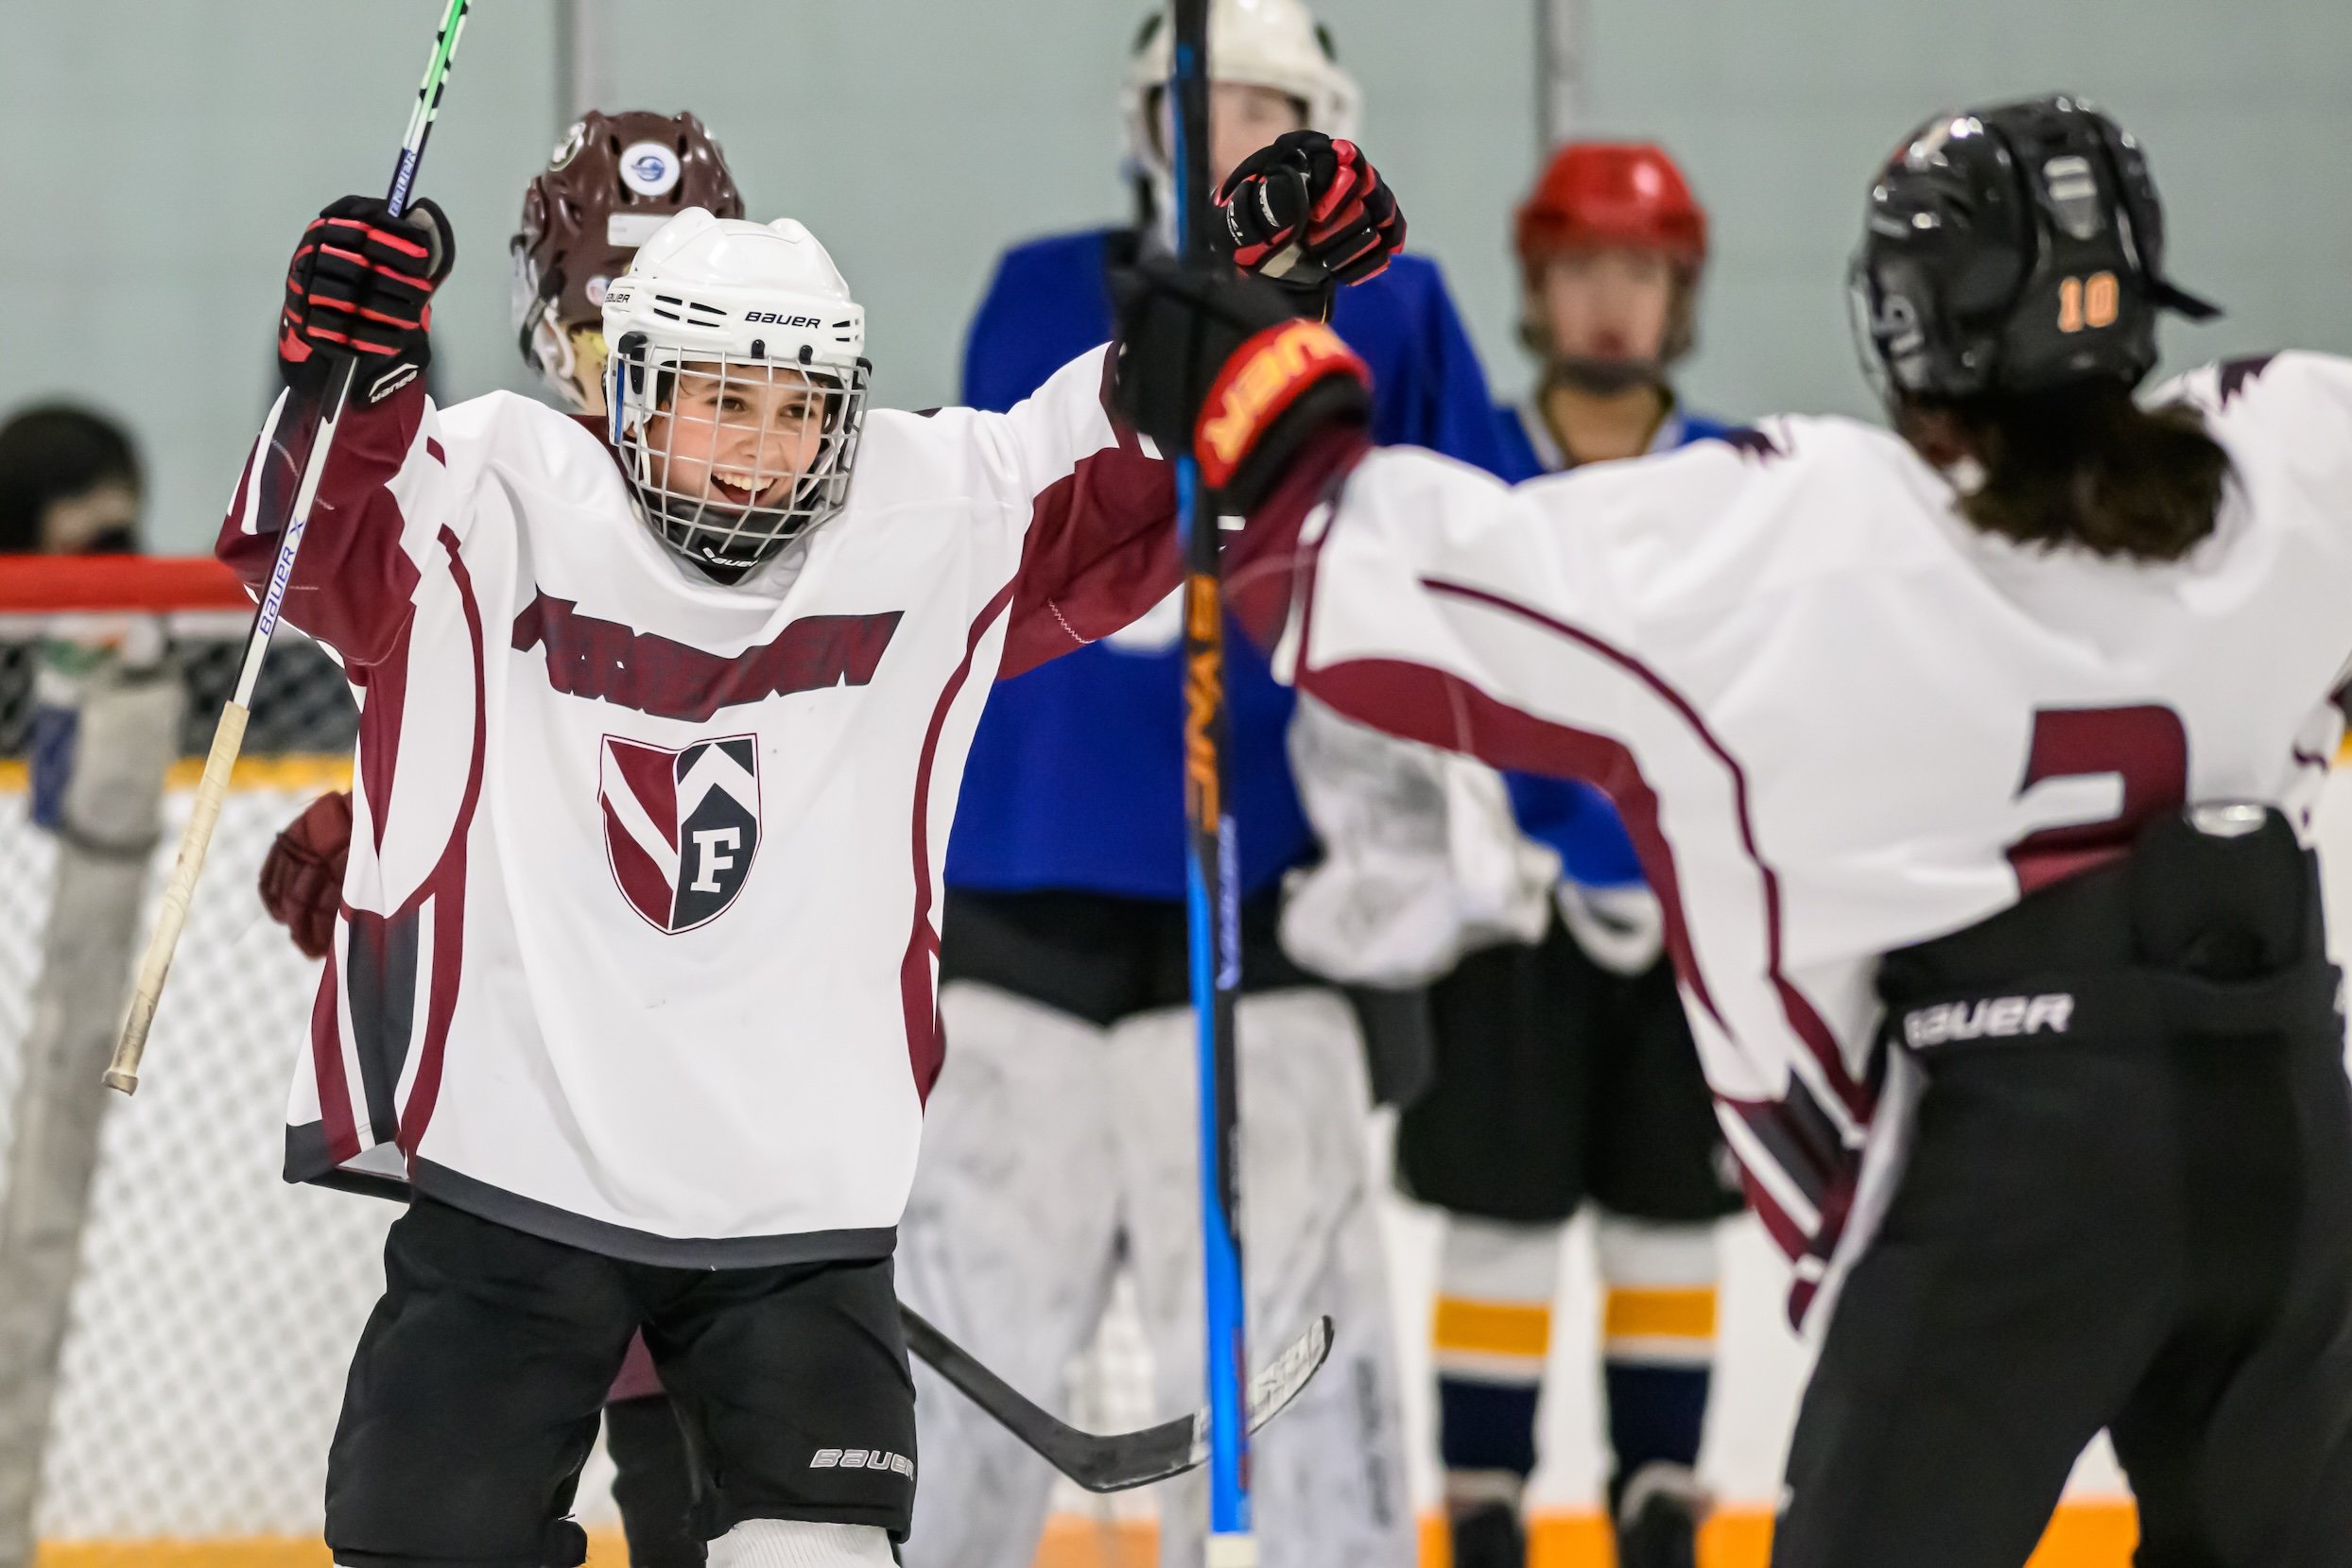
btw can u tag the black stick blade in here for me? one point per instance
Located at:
(1119, 1460)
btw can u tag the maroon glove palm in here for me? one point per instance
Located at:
(1308, 212)
(360, 286)
(302, 878)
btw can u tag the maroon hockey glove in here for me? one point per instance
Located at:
(1224, 366)
(302, 878)
(1309, 213)
(361, 286)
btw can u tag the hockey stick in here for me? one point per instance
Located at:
(1116, 1461)
(196, 840)
(1211, 890)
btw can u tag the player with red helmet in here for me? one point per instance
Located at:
(1565, 1071)
(1611, 245)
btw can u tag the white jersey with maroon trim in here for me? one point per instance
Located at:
(1838, 719)
(639, 931)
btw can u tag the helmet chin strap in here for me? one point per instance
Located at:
(1605, 377)
(728, 572)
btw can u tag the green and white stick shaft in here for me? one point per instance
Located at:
(196, 840)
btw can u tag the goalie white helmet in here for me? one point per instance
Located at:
(737, 387)
(1275, 44)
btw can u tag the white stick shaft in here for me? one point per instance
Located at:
(229, 738)
(195, 842)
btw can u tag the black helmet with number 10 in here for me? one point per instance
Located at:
(2014, 248)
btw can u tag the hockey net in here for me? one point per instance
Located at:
(214, 1310)
(215, 1307)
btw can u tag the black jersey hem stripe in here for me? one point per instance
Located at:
(550, 1223)
(307, 1160)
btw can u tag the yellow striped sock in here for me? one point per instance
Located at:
(1505, 1341)
(1667, 1325)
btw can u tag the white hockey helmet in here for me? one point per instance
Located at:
(1275, 44)
(749, 303)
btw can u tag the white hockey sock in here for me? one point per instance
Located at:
(1659, 1283)
(798, 1543)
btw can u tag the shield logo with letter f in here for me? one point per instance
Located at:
(681, 827)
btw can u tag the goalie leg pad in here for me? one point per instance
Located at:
(1007, 1245)
(1328, 1476)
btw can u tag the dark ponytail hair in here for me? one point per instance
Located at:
(2085, 464)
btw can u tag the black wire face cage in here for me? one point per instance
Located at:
(705, 437)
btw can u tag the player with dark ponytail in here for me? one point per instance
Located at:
(1973, 765)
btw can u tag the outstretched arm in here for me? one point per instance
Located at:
(1421, 596)
(358, 288)
(1100, 548)
(374, 526)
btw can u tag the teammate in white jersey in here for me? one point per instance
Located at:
(2034, 1072)
(609, 184)
(633, 983)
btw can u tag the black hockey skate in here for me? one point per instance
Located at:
(1488, 1535)
(1657, 1514)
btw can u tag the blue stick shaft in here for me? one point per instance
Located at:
(1212, 894)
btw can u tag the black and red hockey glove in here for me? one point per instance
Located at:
(361, 286)
(302, 877)
(1309, 213)
(1224, 366)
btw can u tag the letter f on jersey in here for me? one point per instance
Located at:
(681, 827)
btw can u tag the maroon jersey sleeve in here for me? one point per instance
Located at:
(1100, 547)
(373, 518)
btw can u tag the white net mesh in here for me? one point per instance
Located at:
(216, 1306)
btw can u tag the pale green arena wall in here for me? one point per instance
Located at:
(162, 154)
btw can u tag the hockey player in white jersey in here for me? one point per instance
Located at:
(1968, 764)
(609, 186)
(633, 982)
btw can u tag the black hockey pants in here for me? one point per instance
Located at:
(2127, 1204)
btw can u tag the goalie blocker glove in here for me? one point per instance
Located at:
(361, 286)
(1310, 214)
(1222, 366)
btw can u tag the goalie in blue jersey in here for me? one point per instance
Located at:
(1061, 1141)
